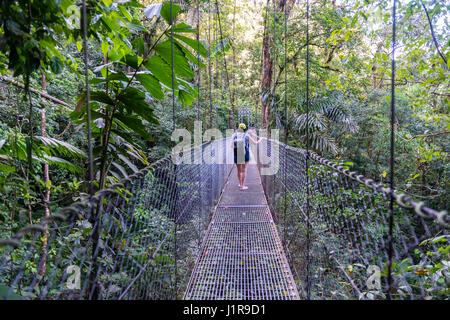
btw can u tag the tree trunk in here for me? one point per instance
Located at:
(268, 60)
(266, 80)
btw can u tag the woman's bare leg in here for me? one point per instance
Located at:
(238, 169)
(244, 173)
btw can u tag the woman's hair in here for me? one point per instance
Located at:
(243, 127)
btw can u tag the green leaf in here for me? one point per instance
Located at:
(135, 26)
(138, 45)
(134, 124)
(119, 76)
(165, 11)
(151, 84)
(133, 60)
(183, 28)
(181, 65)
(442, 238)
(185, 98)
(160, 69)
(101, 96)
(128, 162)
(56, 65)
(194, 44)
(190, 56)
(6, 169)
(63, 164)
(220, 48)
(134, 101)
(57, 146)
(105, 48)
(109, 23)
(125, 13)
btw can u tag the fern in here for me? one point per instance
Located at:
(325, 112)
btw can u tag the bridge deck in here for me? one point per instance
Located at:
(242, 255)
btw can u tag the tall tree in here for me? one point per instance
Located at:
(267, 90)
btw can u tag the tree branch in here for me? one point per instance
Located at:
(42, 94)
(432, 33)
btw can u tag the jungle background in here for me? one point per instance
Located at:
(236, 60)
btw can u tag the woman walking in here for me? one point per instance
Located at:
(241, 144)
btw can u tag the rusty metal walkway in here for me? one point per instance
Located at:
(242, 256)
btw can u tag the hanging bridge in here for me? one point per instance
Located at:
(312, 229)
(185, 230)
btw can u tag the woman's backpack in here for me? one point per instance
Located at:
(241, 142)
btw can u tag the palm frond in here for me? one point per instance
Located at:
(63, 164)
(56, 147)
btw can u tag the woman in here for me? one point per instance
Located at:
(241, 145)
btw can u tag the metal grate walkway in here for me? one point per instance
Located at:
(242, 256)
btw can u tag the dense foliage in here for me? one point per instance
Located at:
(224, 66)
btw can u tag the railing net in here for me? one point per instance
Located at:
(342, 252)
(137, 239)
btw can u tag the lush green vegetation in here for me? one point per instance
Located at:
(239, 56)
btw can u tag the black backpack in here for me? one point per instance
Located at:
(241, 141)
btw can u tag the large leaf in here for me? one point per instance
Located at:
(133, 60)
(220, 48)
(60, 147)
(62, 163)
(128, 162)
(185, 98)
(193, 43)
(151, 84)
(138, 45)
(183, 28)
(120, 76)
(195, 60)
(160, 69)
(165, 11)
(101, 96)
(56, 65)
(134, 101)
(121, 169)
(181, 65)
(134, 124)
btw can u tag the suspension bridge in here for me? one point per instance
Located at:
(313, 229)
(173, 231)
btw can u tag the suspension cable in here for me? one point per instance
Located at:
(391, 160)
(175, 166)
(173, 69)
(88, 98)
(308, 280)
(225, 63)
(285, 115)
(273, 82)
(198, 59)
(209, 66)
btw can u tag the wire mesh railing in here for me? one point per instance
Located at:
(337, 240)
(138, 239)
